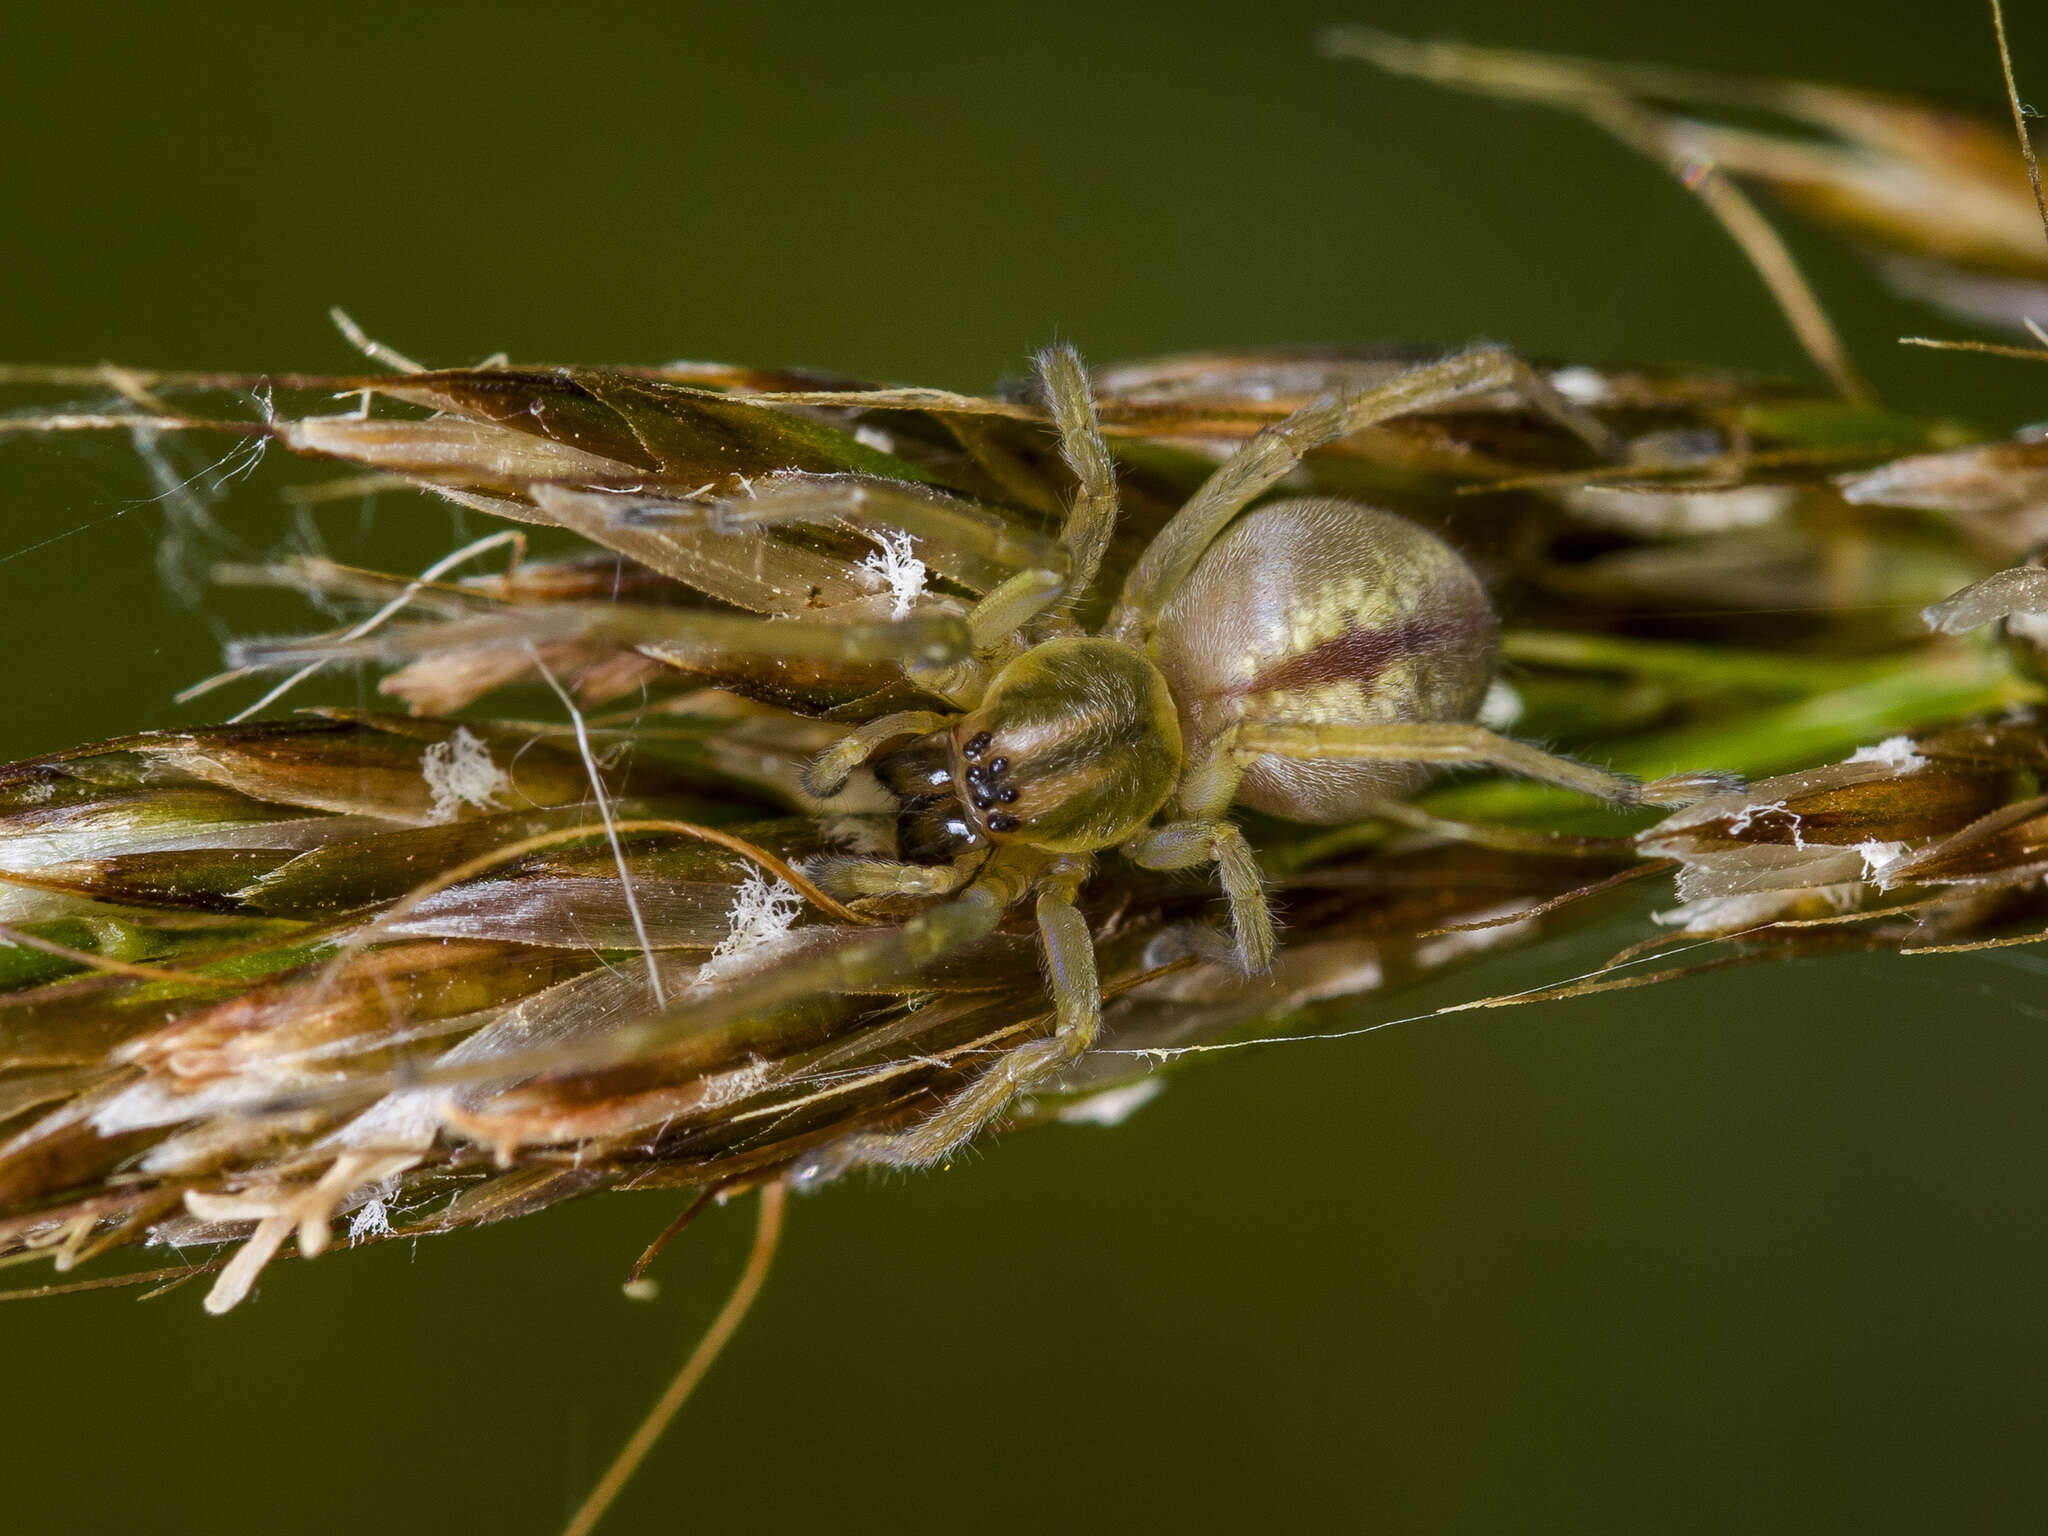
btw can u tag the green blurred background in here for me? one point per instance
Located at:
(1760, 1251)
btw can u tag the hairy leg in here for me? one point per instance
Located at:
(1009, 607)
(1069, 952)
(830, 769)
(916, 642)
(1092, 517)
(1184, 844)
(1453, 742)
(1261, 463)
(854, 878)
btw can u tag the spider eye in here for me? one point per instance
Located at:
(1074, 747)
(986, 786)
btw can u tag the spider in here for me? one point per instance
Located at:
(1309, 657)
(1312, 658)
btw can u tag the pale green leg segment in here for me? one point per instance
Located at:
(1012, 605)
(1092, 518)
(934, 519)
(1184, 844)
(1262, 462)
(1209, 781)
(851, 878)
(830, 769)
(1069, 951)
(659, 632)
(1458, 743)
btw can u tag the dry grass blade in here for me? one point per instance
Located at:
(355, 960)
(732, 927)
(2019, 115)
(1938, 193)
(767, 1236)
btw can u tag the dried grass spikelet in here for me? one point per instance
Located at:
(1876, 836)
(418, 974)
(1936, 195)
(415, 973)
(347, 1003)
(394, 970)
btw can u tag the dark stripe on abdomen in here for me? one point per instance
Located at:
(1360, 655)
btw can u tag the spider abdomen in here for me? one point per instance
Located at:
(1326, 612)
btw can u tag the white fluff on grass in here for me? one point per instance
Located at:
(1894, 752)
(763, 911)
(1501, 707)
(1878, 857)
(372, 1219)
(459, 772)
(281, 1210)
(1754, 813)
(895, 563)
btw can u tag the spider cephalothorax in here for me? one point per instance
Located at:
(1074, 748)
(1311, 658)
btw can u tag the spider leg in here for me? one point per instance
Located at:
(754, 571)
(1092, 517)
(1069, 952)
(853, 878)
(1453, 742)
(829, 770)
(916, 642)
(1184, 844)
(1010, 606)
(942, 525)
(1268, 456)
